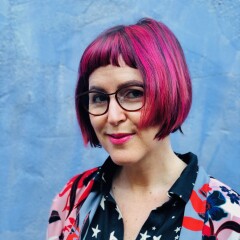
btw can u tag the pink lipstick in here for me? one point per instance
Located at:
(120, 138)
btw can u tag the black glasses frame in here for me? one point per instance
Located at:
(108, 99)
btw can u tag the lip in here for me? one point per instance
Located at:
(120, 138)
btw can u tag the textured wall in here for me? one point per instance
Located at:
(40, 46)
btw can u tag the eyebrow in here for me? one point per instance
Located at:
(122, 85)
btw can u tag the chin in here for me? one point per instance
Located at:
(123, 158)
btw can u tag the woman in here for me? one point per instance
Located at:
(133, 90)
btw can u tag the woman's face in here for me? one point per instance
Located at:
(117, 129)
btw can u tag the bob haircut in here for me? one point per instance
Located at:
(152, 48)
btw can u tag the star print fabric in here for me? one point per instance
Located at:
(163, 223)
(108, 224)
(107, 221)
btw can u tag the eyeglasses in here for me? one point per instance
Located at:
(130, 98)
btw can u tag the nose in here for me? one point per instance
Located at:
(115, 113)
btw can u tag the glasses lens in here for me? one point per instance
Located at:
(131, 98)
(95, 103)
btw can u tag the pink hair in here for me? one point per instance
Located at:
(152, 48)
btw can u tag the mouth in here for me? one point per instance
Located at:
(120, 138)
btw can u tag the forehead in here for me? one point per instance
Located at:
(112, 77)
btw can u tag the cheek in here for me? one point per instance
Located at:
(135, 118)
(148, 134)
(96, 122)
(92, 121)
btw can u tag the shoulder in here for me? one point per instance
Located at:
(222, 216)
(78, 183)
(63, 209)
(229, 199)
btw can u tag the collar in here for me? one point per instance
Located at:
(181, 189)
(183, 186)
(103, 179)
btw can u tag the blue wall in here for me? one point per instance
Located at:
(40, 46)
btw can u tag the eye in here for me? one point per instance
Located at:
(97, 98)
(134, 93)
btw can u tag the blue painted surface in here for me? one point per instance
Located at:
(40, 46)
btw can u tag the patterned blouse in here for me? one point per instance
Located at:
(212, 212)
(163, 222)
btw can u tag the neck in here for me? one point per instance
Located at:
(160, 169)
